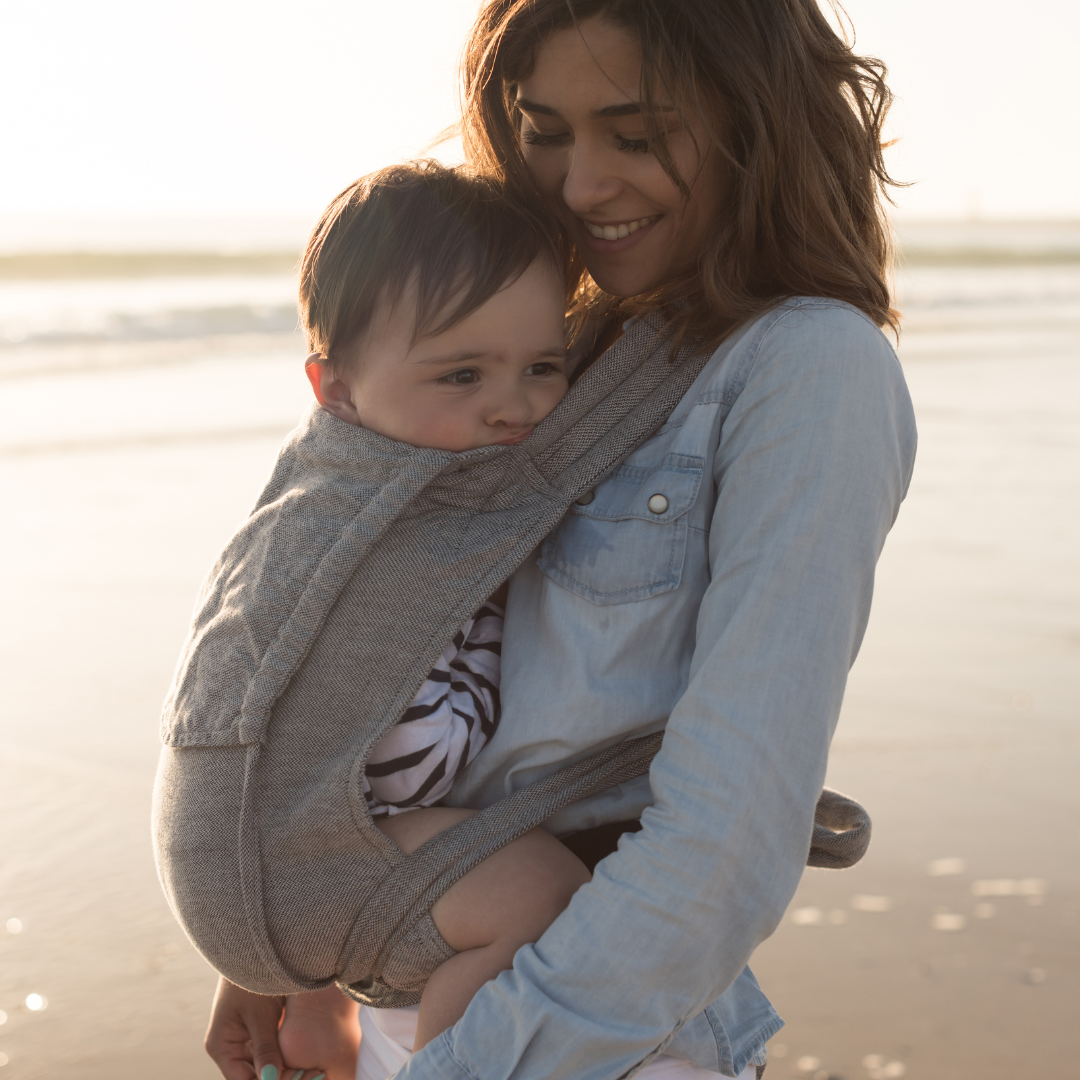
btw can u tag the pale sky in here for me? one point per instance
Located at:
(133, 107)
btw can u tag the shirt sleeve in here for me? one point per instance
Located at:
(812, 463)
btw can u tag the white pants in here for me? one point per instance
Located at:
(388, 1036)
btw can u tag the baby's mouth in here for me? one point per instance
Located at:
(513, 440)
(619, 230)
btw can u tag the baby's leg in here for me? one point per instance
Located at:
(507, 901)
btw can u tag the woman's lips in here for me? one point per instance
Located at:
(603, 246)
(616, 230)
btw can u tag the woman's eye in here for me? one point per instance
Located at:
(464, 377)
(532, 137)
(636, 146)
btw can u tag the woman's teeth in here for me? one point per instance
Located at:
(617, 232)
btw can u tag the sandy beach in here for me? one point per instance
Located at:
(951, 953)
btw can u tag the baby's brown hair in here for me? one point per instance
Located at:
(457, 238)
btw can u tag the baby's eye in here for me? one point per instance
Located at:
(542, 368)
(464, 377)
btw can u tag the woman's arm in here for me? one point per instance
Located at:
(813, 461)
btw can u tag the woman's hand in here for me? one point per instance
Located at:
(243, 1034)
(320, 1030)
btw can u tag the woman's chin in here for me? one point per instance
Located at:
(624, 282)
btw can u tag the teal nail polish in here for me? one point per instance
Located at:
(299, 1073)
(268, 1072)
(321, 1076)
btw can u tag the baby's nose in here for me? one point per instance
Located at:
(512, 409)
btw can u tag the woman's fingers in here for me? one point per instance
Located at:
(228, 1044)
(242, 1036)
(267, 1061)
(272, 1072)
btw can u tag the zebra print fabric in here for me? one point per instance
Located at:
(450, 720)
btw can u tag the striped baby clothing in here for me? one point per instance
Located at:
(448, 723)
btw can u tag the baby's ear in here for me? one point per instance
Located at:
(332, 393)
(314, 367)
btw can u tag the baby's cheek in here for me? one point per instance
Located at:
(446, 428)
(554, 396)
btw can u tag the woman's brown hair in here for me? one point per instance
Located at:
(795, 112)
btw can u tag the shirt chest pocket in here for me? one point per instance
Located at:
(626, 539)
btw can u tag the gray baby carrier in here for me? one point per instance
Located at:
(312, 635)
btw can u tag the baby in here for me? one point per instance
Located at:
(453, 350)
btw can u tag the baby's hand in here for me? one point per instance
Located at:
(321, 1032)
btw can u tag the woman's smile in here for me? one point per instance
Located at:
(609, 238)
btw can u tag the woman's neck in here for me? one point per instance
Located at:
(598, 336)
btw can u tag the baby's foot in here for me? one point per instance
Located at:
(320, 1031)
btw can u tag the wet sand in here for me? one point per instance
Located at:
(960, 732)
(121, 478)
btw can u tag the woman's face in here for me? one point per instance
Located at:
(583, 136)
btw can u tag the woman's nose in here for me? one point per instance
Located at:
(589, 182)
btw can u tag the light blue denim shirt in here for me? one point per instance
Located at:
(728, 609)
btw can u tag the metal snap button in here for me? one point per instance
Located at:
(584, 500)
(658, 504)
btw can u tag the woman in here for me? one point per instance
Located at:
(717, 162)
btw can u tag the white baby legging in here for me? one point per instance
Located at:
(388, 1036)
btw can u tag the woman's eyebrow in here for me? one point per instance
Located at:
(531, 106)
(629, 108)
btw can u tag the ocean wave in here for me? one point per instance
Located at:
(87, 311)
(152, 326)
(988, 287)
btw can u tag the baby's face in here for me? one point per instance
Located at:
(487, 381)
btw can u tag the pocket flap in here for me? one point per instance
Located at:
(659, 493)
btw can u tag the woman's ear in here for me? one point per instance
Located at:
(333, 394)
